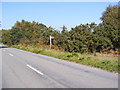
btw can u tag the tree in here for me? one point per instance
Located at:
(87, 38)
(27, 32)
(15, 36)
(64, 29)
(104, 41)
(111, 25)
(80, 39)
(6, 36)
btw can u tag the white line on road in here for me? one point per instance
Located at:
(11, 54)
(35, 69)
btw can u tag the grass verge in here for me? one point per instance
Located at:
(108, 63)
(1, 43)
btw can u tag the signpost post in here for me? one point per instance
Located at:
(51, 37)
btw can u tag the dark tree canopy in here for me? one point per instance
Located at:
(111, 23)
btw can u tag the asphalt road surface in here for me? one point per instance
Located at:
(22, 69)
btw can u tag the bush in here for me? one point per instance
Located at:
(73, 54)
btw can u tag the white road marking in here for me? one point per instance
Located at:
(35, 69)
(11, 54)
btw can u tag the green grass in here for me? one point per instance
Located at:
(109, 63)
(1, 43)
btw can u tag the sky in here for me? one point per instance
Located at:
(60, 0)
(55, 14)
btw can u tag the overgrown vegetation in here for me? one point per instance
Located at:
(82, 39)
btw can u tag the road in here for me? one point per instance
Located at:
(22, 69)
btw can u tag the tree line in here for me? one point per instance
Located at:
(84, 38)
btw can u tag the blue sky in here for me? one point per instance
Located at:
(53, 14)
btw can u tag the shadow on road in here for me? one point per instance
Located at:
(4, 47)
